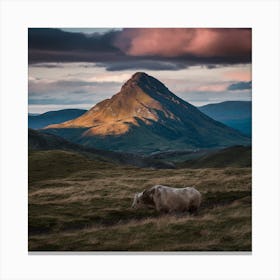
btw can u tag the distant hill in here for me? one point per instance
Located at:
(236, 156)
(37, 121)
(236, 114)
(146, 117)
(44, 141)
(32, 114)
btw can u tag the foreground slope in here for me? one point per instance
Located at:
(145, 116)
(236, 156)
(76, 204)
(38, 141)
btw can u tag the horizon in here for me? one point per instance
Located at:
(74, 108)
(80, 67)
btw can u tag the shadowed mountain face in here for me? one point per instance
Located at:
(145, 116)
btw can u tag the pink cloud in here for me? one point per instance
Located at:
(172, 42)
(242, 76)
(215, 88)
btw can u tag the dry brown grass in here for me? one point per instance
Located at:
(89, 210)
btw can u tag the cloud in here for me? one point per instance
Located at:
(55, 45)
(143, 64)
(240, 86)
(199, 88)
(203, 98)
(178, 42)
(142, 48)
(212, 88)
(110, 78)
(41, 108)
(243, 75)
(48, 65)
(71, 86)
(55, 40)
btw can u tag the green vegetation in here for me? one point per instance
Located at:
(59, 164)
(236, 156)
(78, 204)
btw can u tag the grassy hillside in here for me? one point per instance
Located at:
(79, 204)
(56, 164)
(37, 140)
(236, 156)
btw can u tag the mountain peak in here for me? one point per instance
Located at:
(142, 99)
(139, 75)
(145, 82)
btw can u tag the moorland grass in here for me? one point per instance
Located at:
(77, 204)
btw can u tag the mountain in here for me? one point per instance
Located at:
(145, 117)
(37, 121)
(236, 156)
(236, 114)
(39, 141)
(32, 114)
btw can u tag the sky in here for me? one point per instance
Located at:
(79, 67)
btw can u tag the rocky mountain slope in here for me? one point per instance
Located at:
(144, 117)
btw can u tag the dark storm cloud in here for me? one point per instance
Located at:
(78, 83)
(55, 45)
(58, 40)
(143, 64)
(240, 86)
(142, 48)
(211, 66)
(48, 65)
